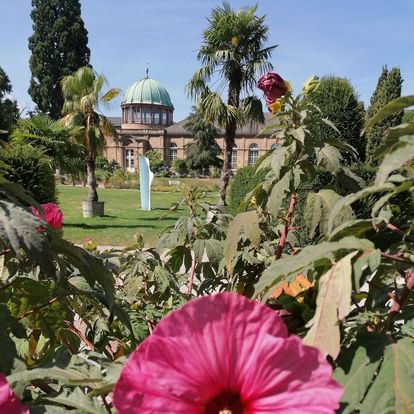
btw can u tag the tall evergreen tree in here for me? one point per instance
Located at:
(59, 47)
(204, 151)
(339, 103)
(388, 88)
(9, 112)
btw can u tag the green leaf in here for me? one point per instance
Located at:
(392, 140)
(391, 108)
(92, 268)
(395, 160)
(313, 213)
(214, 250)
(247, 222)
(77, 399)
(357, 368)
(333, 304)
(367, 260)
(392, 390)
(355, 228)
(278, 193)
(345, 202)
(18, 229)
(290, 266)
(329, 157)
(278, 160)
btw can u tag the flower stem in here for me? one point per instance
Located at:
(191, 277)
(286, 228)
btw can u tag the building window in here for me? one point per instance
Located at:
(147, 116)
(164, 117)
(233, 162)
(253, 153)
(173, 152)
(156, 118)
(129, 159)
(274, 146)
(129, 115)
(137, 115)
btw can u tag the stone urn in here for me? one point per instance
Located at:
(93, 208)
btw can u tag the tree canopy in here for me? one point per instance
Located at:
(338, 102)
(204, 151)
(59, 47)
(233, 48)
(9, 112)
(388, 88)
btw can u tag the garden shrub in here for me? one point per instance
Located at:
(123, 180)
(243, 182)
(30, 167)
(180, 167)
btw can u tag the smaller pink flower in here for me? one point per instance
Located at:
(52, 214)
(8, 401)
(225, 354)
(273, 86)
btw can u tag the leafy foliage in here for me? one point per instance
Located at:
(338, 102)
(204, 151)
(388, 88)
(9, 112)
(31, 168)
(156, 161)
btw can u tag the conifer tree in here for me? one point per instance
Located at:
(338, 102)
(59, 46)
(204, 151)
(388, 88)
(9, 112)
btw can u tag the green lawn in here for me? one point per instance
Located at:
(122, 219)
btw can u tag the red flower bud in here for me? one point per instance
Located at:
(273, 86)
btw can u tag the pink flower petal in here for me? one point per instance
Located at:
(8, 400)
(225, 349)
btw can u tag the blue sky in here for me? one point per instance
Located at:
(348, 38)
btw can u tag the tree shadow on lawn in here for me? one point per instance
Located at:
(106, 226)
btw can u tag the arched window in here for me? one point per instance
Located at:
(173, 152)
(253, 153)
(275, 146)
(233, 163)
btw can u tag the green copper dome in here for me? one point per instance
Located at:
(147, 91)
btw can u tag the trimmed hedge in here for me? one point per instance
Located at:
(31, 168)
(244, 181)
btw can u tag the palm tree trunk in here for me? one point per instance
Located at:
(226, 170)
(90, 169)
(233, 99)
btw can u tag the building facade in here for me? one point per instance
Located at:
(147, 123)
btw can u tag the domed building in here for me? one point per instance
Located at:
(147, 123)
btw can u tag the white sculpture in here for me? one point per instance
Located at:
(145, 180)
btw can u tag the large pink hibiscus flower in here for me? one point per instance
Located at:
(225, 354)
(8, 401)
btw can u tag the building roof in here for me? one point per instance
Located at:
(177, 128)
(115, 120)
(147, 91)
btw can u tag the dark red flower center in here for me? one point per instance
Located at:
(225, 402)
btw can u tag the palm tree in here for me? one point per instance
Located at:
(82, 94)
(58, 141)
(232, 55)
